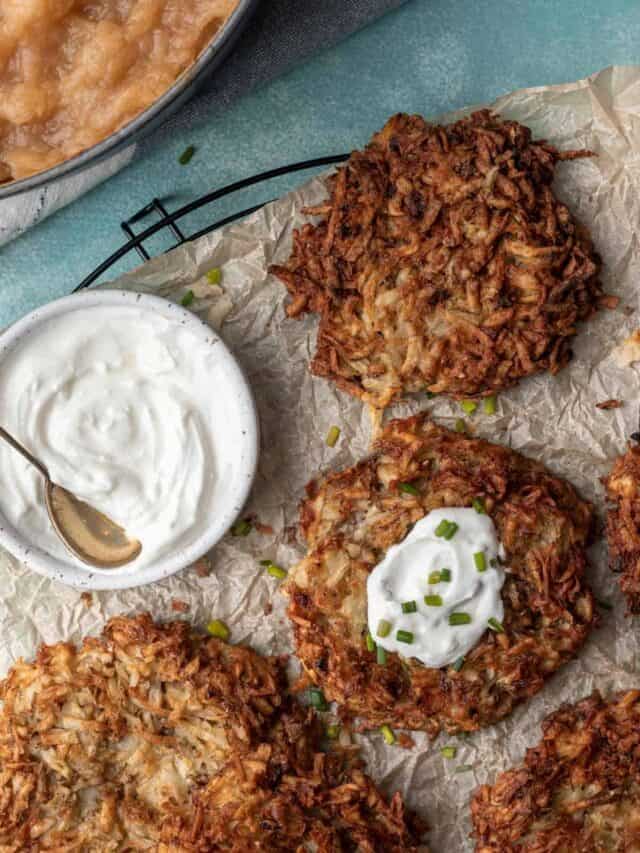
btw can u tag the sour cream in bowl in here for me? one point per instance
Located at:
(137, 407)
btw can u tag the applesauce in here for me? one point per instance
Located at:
(74, 71)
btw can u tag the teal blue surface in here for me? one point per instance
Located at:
(429, 56)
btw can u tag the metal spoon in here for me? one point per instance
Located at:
(90, 535)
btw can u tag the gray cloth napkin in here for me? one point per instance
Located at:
(282, 34)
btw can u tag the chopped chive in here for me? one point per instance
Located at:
(241, 528)
(276, 572)
(495, 625)
(448, 752)
(460, 425)
(387, 733)
(404, 636)
(384, 628)
(408, 489)
(459, 618)
(266, 563)
(458, 664)
(430, 395)
(186, 155)
(435, 577)
(464, 768)
(468, 406)
(381, 655)
(217, 628)
(451, 530)
(371, 643)
(433, 600)
(409, 606)
(316, 698)
(493, 562)
(489, 404)
(481, 561)
(442, 528)
(214, 276)
(478, 505)
(332, 436)
(333, 731)
(605, 605)
(445, 575)
(188, 298)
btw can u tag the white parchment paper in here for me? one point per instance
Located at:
(551, 419)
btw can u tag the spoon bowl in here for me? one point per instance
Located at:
(89, 534)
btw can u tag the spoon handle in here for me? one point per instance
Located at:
(24, 452)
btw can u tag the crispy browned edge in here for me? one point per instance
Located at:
(281, 788)
(549, 609)
(623, 523)
(577, 789)
(465, 212)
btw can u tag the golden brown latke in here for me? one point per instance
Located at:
(153, 738)
(623, 524)
(443, 262)
(350, 520)
(578, 791)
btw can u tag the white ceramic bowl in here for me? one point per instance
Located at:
(240, 419)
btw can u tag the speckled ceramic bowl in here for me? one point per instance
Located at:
(240, 424)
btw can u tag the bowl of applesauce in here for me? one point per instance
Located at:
(80, 79)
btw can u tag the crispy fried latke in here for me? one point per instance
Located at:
(153, 738)
(350, 520)
(578, 790)
(623, 524)
(443, 262)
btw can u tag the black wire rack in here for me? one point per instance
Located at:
(168, 221)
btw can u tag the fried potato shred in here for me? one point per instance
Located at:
(623, 524)
(577, 790)
(444, 262)
(153, 738)
(352, 517)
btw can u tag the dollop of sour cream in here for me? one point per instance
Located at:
(438, 572)
(117, 402)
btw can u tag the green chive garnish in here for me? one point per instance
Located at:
(445, 575)
(266, 563)
(384, 628)
(276, 572)
(404, 636)
(464, 768)
(217, 628)
(495, 625)
(409, 606)
(430, 395)
(490, 405)
(408, 489)
(316, 698)
(481, 561)
(241, 528)
(459, 618)
(188, 298)
(381, 655)
(214, 276)
(478, 505)
(460, 425)
(433, 600)
(468, 406)
(387, 733)
(448, 752)
(333, 731)
(435, 577)
(332, 436)
(446, 529)
(371, 643)
(458, 664)
(605, 605)
(186, 155)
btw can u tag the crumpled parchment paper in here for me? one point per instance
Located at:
(551, 419)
